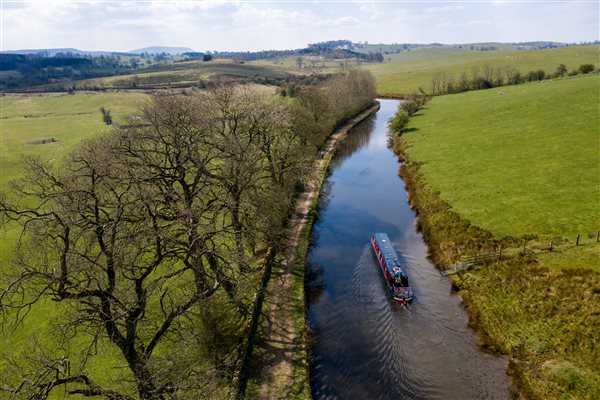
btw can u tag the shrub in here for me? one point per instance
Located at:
(106, 117)
(586, 68)
(399, 122)
(410, 106)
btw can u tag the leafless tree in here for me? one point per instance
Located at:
(142, 229)
(131, 236)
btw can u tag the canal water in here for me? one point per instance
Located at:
(365, 346)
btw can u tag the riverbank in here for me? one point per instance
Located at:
(539, 309)
(279, 358)
(542, 319)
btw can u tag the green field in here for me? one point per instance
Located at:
(26, 119)
(516, 160)
(520, 161)
(409, 70)
(188, 73)
(69, 119)
(406, 71)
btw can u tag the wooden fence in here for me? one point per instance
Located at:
(486, 258)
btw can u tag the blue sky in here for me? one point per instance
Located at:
(256, 25)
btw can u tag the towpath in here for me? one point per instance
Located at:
(280, 344)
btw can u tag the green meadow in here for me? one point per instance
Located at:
(408, 71)
(188, 73)
(516, 160)
(26, 120)
(523, 162)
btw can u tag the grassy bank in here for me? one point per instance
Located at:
(518, 160)
(485, 169)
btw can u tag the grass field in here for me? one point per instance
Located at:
(516, 160)
(520, 161)
(190, 72)
(406, 71)
(69, 119)
(409, 70)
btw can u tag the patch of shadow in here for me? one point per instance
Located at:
(365, 172)
(411, 129)
(44, 141)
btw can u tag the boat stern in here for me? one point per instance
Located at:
(403, 295)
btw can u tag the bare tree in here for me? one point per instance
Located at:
(314, 100)
(130, 235)
(463, 83)
(488, 72)
(436, 84)
(106, 117)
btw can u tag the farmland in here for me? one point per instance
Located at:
(521, 163)
(189, 73)
(499, 156)
(28, 119)
(408, 71)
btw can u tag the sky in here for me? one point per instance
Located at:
(251, 25)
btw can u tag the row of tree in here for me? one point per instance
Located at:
(400, 121)
(150, 235)
(488, 76)
(40, 69)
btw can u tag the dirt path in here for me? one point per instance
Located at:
(280, 342)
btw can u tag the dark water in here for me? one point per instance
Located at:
(364, 346)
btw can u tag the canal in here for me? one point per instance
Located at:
(364, 346)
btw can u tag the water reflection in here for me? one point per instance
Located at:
(364, 345)
(361, 134)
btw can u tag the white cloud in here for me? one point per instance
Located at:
(341, 21)
(245, 25)
(444, 9)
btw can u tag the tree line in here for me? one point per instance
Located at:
(152, 236)
(40, 69)
(400, 121)
(488, 76)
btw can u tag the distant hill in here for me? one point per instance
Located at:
(53, 52)
(149, 50)
(162, 49)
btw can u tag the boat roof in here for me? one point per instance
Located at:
(387, 251)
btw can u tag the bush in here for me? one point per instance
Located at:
(410, 106)
(586, 68)
(399, 122)
(538, 75)
(106, 117)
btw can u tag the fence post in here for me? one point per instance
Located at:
(577, 240)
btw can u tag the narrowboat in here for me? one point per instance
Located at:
(395, 276)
